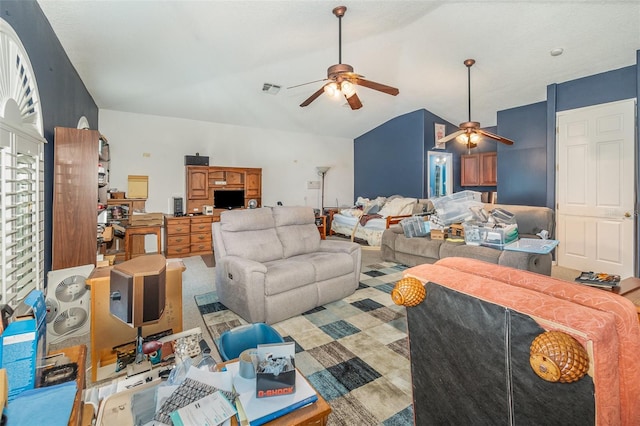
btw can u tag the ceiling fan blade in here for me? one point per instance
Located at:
(304, 84)
(313, 97)
(354, 101)
(496, 137)
(451, 136)
(376, 86)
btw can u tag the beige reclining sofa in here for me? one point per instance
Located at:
(272, 265)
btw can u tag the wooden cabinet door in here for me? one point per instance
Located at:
(470, 170)
(197, 182)
(479, 169)
(488, 169)
(252, 184)
(75, 197)
(234, 178)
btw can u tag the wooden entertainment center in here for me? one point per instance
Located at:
(191, 234)
(203, 181)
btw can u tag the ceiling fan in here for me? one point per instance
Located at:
(470, 131)
(341, 78)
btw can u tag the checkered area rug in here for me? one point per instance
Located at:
(354, 351)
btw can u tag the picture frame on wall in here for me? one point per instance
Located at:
(440, 130)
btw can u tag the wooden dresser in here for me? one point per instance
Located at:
(187, 235)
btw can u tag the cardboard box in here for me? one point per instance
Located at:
(23, 344)
(275, 355)
(108, 332)
(138, 186)
(439, 234)
(456, 230)
(146, 219)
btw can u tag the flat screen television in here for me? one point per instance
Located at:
(228, 198)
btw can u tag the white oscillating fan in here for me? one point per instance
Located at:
(68, 303)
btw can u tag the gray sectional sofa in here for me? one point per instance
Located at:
(415, 251)
(272, 265)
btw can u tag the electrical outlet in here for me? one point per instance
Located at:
(313, 184)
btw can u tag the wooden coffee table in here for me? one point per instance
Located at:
(630, 289)
(314, 414)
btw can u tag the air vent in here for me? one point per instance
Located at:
(270, 88)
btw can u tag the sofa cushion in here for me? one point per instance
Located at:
(421, 246)
(327, 265)
(286, 274)
(487, 254)
(297, 230)
(251, 234)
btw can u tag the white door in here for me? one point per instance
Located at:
(595, 188)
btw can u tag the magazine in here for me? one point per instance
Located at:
(598, 279)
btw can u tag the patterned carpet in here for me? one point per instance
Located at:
(354, 351)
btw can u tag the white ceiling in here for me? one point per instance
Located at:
(208, 60)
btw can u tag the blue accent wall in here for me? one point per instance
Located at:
(522, 167)
(389, 159)
(526, 170)
(597, 89)
(392, 158)
(63, 96)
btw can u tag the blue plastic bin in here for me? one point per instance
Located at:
(238, 339)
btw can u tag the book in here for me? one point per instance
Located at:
(598, 279)
(259, 411)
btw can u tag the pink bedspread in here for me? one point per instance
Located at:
(597, 318)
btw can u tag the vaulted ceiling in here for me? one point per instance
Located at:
(209, 60)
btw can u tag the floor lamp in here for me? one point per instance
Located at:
(322, 170)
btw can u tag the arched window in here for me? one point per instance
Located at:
(21, 173)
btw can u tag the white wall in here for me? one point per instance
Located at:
(155, 146)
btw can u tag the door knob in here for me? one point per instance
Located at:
(627, 214)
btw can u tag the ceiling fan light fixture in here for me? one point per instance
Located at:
(469, 139)
(469, 132)
(348, 89)
(332, 90)
(342, 79)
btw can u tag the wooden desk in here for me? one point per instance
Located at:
(132, 231)
(77, 354)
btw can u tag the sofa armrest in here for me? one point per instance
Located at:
(240, 285)
(397, 229)
(240, 268)
(534, 262)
